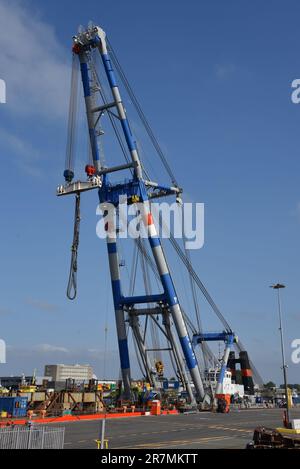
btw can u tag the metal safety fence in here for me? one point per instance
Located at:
(38, 437)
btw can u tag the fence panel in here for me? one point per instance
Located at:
(32, 438)
(54, 439)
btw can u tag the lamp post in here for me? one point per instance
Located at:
(278, 287)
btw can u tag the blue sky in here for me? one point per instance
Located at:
(214, 79)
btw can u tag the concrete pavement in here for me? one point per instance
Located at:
(191, 431)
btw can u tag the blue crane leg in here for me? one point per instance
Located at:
(119, 314)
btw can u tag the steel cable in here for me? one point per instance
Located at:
(141, 114)
(72, 118)
(72, 283)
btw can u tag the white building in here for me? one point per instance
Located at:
(228, 387)
(62, 372)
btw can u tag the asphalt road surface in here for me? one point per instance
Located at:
(184, 431)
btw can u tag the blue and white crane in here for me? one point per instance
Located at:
(229, 338)
(137, 189)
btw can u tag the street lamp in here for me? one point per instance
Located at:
(278, 287)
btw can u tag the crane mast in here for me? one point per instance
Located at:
(137, 189)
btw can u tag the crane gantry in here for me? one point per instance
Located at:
(163, 308)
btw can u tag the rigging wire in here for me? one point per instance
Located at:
(141, 114)
(186, 261)
(174, 243)
(153, 267)
(206, 352)
(72, 117)
(105, 330)
(110, 116)
(148, 291)
(257, 378)
(127, 159)
(72, 283)
(112, 119)
(96, 87)
(182, 255)
(133, 270)
(139, 359)
(198, 282)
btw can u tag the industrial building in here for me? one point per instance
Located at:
(22, 382)
(62, 372)
(14, 381)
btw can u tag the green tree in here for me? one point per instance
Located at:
(270, 385)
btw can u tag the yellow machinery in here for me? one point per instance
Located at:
(159, 368)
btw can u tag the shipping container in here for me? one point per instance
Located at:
(14, 406)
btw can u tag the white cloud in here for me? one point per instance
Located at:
(27, 155)
(34, 65)
(42, 305)
(95, 351)
(47, 348)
